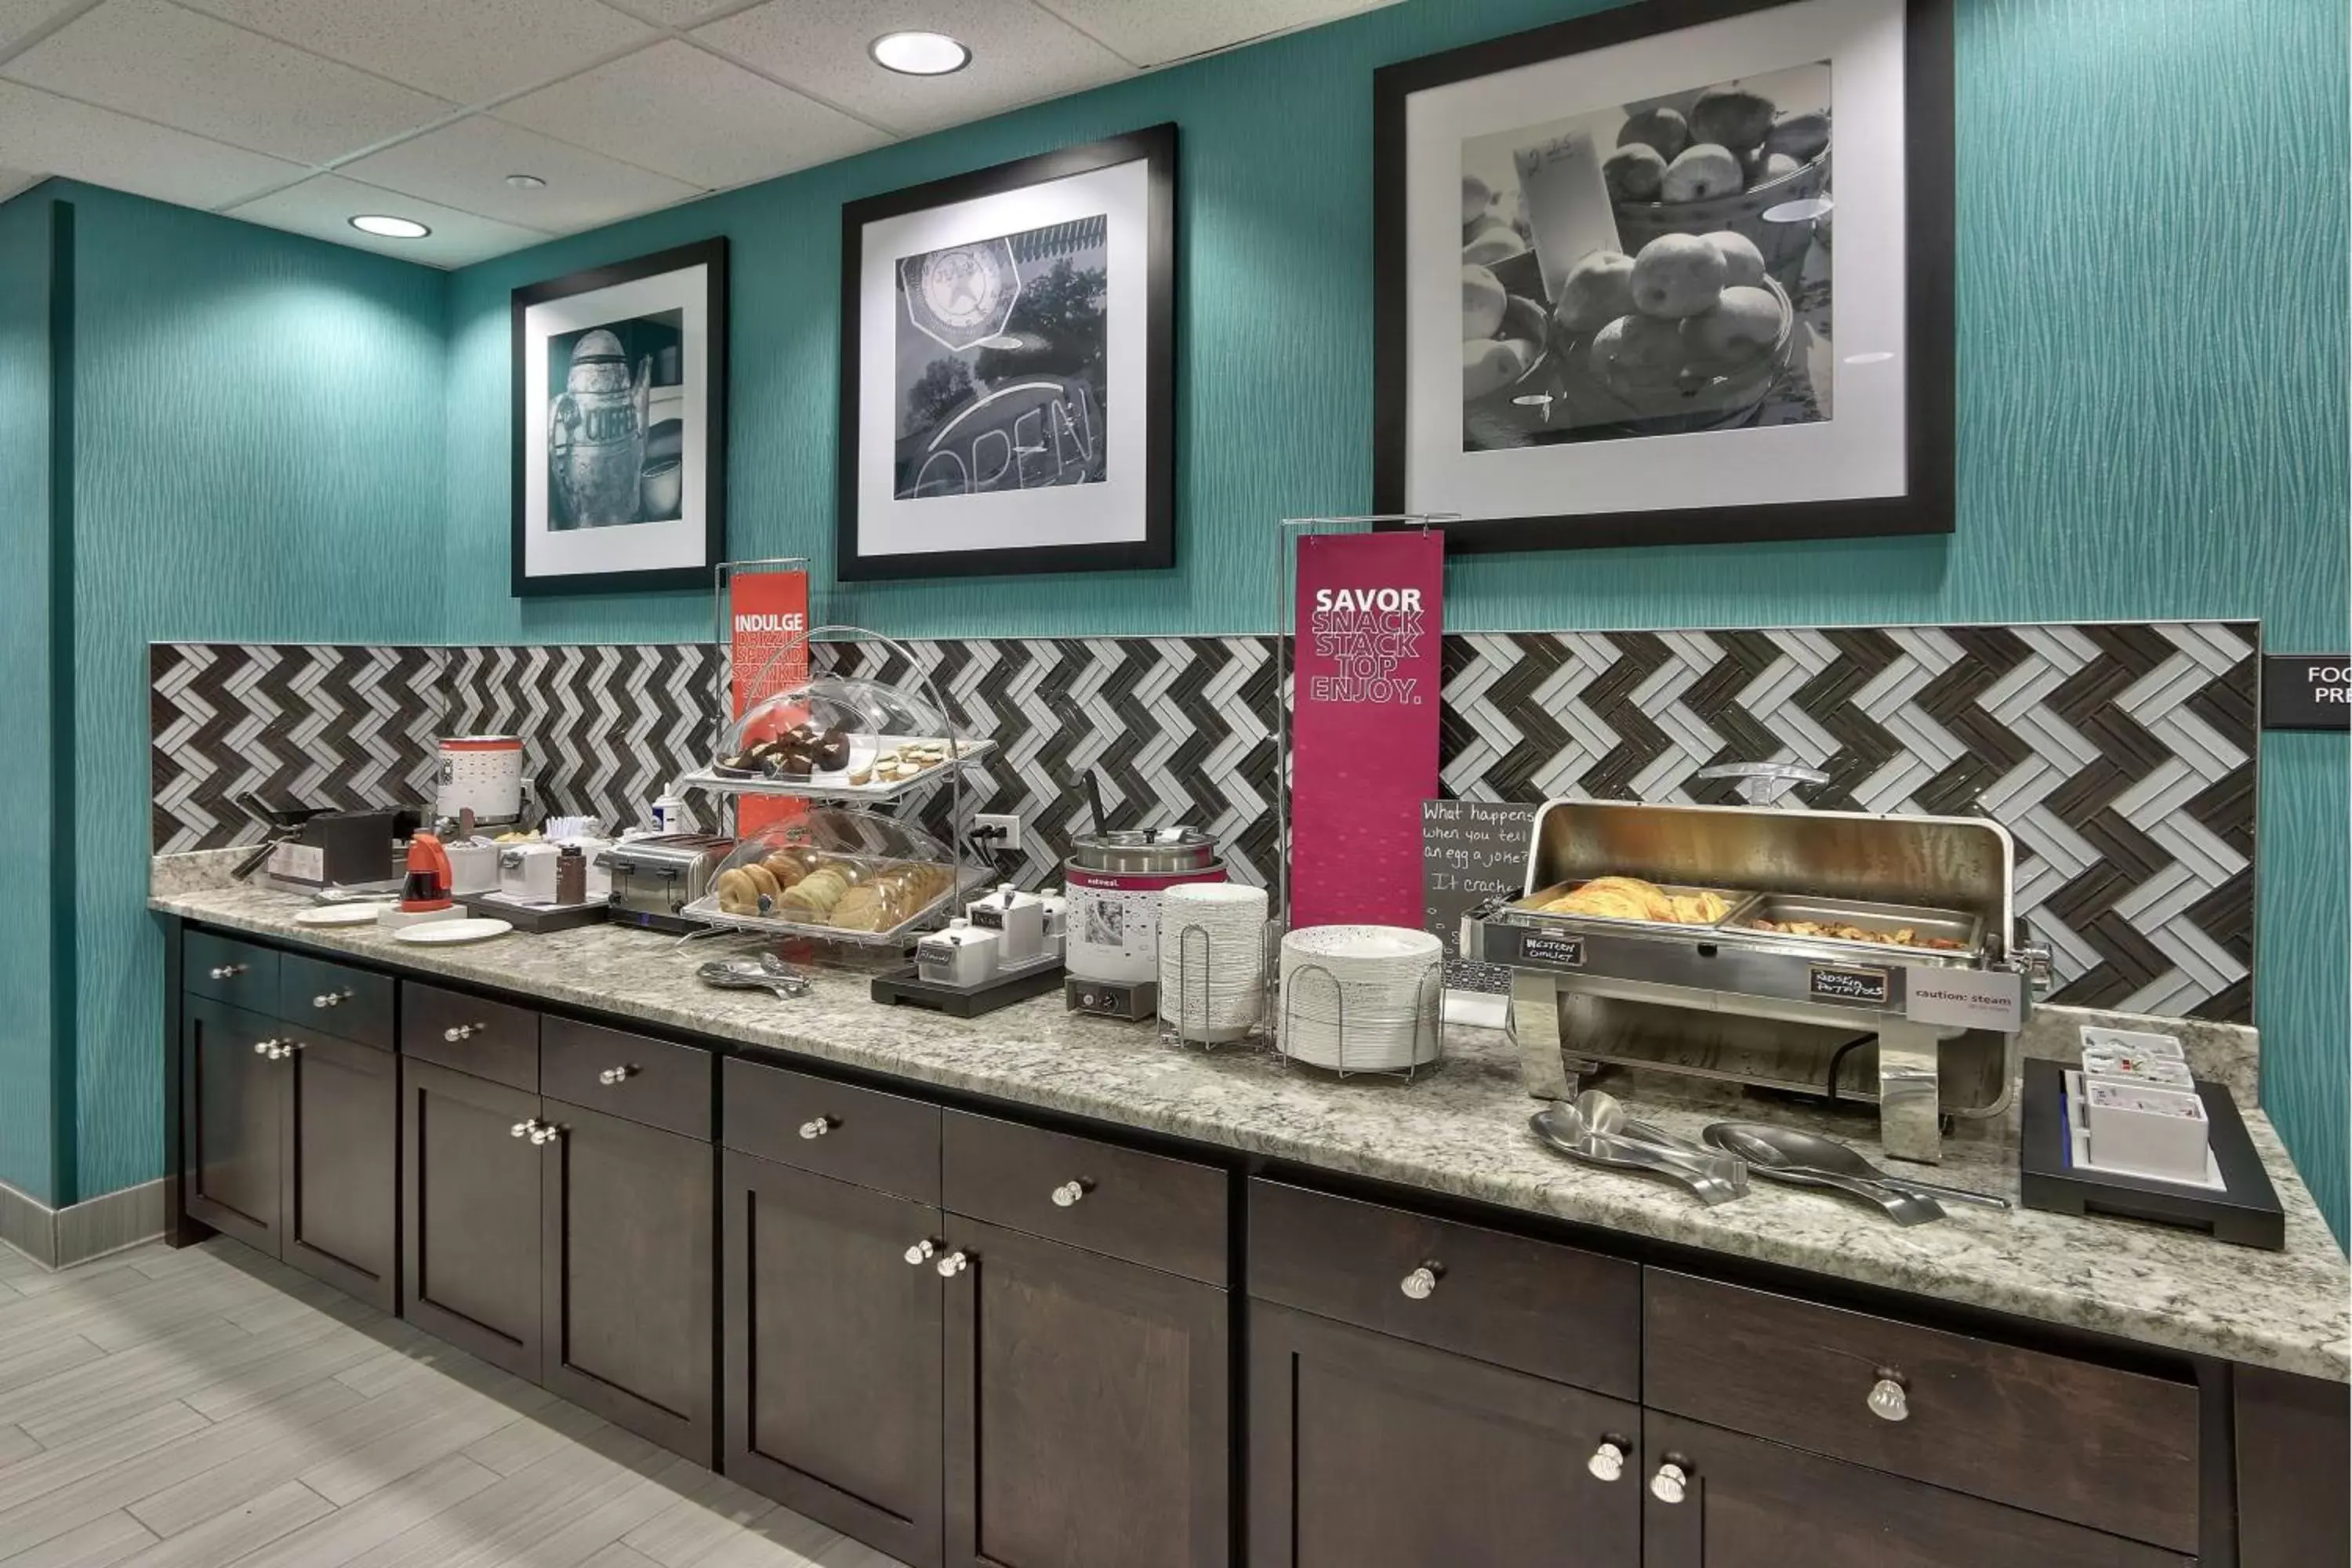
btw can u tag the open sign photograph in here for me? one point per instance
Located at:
(1007, 364)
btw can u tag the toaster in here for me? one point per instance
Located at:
(655, 876)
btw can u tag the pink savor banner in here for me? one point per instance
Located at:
(1364, 725)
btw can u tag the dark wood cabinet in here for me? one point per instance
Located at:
(1735, 1501)
(832, 1311)
(2294, 1448)
(471, 1214)
(339, 1164)
(1369, 1451)
(1087, 1419)
(231, 1149)
(626, 1246)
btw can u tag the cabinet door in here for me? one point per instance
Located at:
(832, 1311)
(470, 1222)
(1741, 1503)
(338, 1151)
(627, 1248)
(230, 1100)
(1371, 1452)
(1086, 1409)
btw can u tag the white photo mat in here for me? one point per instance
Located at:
(1112, 512)
(1859, 454)
(637, 547)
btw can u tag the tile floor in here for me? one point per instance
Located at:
(211, 1406)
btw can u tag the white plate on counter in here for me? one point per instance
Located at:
(439, 933)
(359, 914)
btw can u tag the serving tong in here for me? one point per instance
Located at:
(766, 972)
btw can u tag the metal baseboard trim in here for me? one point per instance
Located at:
(59, 1238)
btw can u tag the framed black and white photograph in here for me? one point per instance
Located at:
(620, 426)
(1007, 354)
(1673, 325)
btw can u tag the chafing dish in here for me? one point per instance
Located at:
(1925, 1025)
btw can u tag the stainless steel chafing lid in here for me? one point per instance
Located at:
(1144, 851)
(1963, 863)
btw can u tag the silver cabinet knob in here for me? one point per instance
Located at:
(286, 1048)
(329, 999)
(1669, 1483)
(818, 1126)
(614, 1075)
(1888, 1401)
(263, 1047)
(920, 1253)
(1068, 1193)
(1417, 1284)
(545, 1133)
(955, 1263)
(456, 1032)
(1608, 1461)
(521, 1129)
(225, 971)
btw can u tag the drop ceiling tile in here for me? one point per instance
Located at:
(466, 50)
(466, 165)
(57, 136)
(324, 205)
(1154, 32)
(19, 17)
(158, 61)
(1019, 55)
(691, 115)
(679, 12)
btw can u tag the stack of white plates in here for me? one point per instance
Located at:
(1361, 998)
(1213, 959)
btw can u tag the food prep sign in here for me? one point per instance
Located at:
(2307, 692)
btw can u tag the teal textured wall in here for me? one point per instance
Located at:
(25, 952)
(258, 456)
(2151, 422)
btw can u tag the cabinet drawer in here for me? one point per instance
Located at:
(629, 1075)
(2115, 1450)
(353, 1003)
(1552, 1311)
(881, 1141)
(493, 1040)
(1149, 1209)
(230, 971)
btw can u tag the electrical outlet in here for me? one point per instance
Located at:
(1010, 827)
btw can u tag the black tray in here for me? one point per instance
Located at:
(2246, 1213)
(902, 985)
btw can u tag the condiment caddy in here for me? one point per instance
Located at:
(1007, 946)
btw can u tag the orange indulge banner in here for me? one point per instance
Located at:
(767, 635)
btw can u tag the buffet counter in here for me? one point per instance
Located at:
(1461, 1131)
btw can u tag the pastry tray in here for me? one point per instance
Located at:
(706, 911)
(836, 786)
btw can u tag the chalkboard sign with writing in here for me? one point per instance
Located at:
(1470, 851)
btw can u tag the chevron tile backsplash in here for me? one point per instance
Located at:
(2120, 755)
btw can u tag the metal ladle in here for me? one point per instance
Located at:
(1787, 1148)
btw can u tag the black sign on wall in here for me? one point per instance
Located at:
(2307, 692)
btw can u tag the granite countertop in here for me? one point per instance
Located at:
(1461, 1131)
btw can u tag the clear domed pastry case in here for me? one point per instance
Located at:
(836, 737)
(833, 874)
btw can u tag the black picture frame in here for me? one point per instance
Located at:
(706, 253)
(1926, 505)
(1155, 146)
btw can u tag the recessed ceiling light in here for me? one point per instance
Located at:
(919, 54)
(390, 227)
(526, 181)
